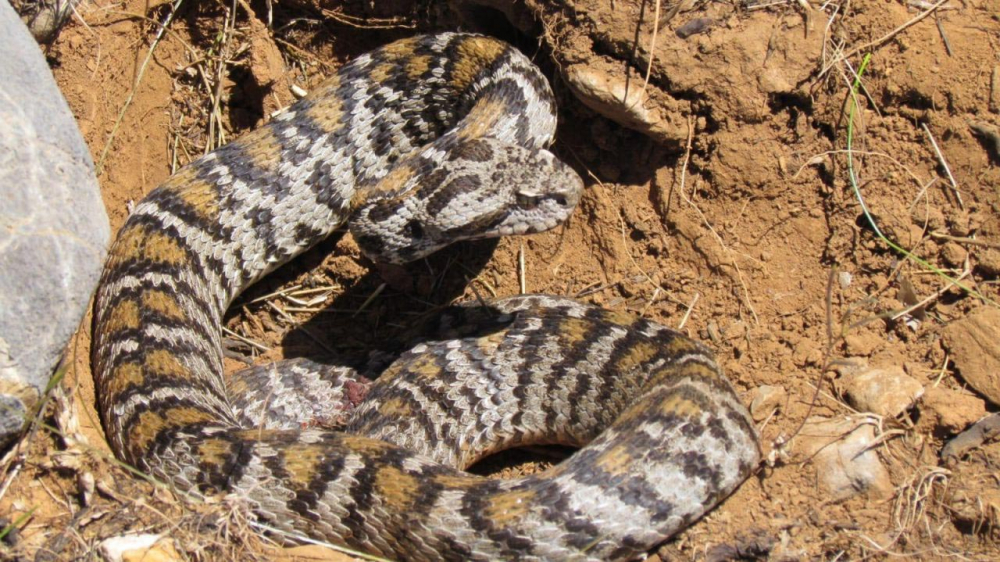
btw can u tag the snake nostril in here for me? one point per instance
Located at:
(415, 230)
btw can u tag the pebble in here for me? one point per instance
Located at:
(886, 392)
(842, 451)
(765, 399)
(136, 548)
(972, 343)
(950, 410)
(610, 95)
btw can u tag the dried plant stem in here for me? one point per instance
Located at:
(135, 86)
(944, 164)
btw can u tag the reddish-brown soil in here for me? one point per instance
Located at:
(738, 224)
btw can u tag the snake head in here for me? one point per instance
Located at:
(480, 188)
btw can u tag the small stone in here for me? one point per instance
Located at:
(886, 392)
(765, 399)
(975, 508)
(844, 279)
(162, 551)
(953, 254)
(603, 90)
(932, 218)
(972, 342)
(842, 449)
(988, 262)
(136, 548)
(950, 410)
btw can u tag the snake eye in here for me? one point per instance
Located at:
(528, 199)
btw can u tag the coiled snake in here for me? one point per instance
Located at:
(417, 144)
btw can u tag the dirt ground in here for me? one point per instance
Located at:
(726, 208)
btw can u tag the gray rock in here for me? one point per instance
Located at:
(972, 342)
(886, 392)
(842, 450)
(53, 228)
(765, 399)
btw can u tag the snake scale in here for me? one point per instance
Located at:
(414, 145)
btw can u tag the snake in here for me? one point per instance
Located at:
(415, 145)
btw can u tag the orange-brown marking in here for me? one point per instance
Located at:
(262, 148)
(396, 407)
(696, 371)
(400, 49)
(364, 446)
(124, 316)
(398, 489)
(124, 375)
(618, 317)
(387, 187)
(636, 355)
(418, 66)
(508, 507)
(482, 118)
(682, 346)
(303, 461)
(163, 303)
(424, 367)
(325, 89)
(456, 482)
(162, 362)
(381, 72)
(236, 386)
(137, 242)
(474, 54)
(327, 111)
(575, 330)
(200, 196)
(215, 452)
(680, 406)
(151, 423)
(615, 460)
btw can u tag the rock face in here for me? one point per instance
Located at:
(53, 228)
(972, 342)
(952, 411)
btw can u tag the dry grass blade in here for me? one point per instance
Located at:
(522, 282)
(944, 164)
(135, 87)
(339, 16)
(933, 297)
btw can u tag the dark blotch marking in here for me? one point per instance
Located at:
(415, 230)
(457, 186)
(475, 150)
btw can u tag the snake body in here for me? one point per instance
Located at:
(414, 145)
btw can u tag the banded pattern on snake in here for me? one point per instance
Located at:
(415, 145)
